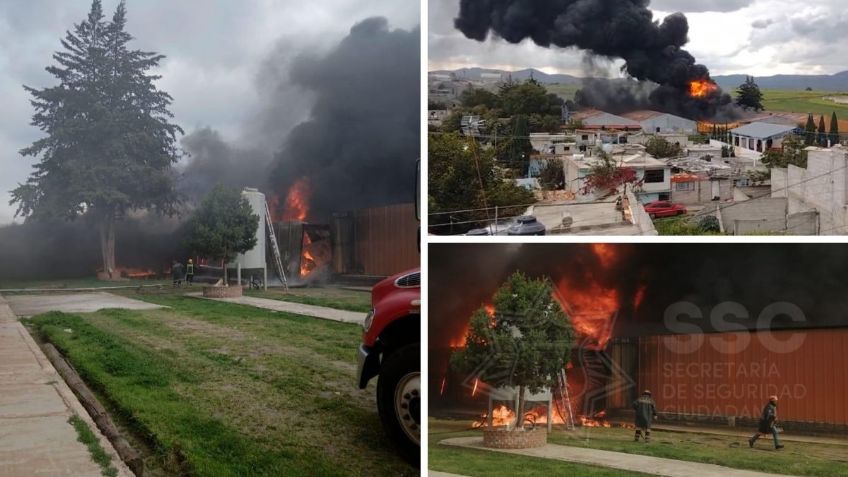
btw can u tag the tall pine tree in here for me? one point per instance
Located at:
(810, 131)
(749, 96)
(834, 129)
(109, 144)
(822, 136)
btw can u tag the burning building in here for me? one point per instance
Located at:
(661, 74)
(712, 330)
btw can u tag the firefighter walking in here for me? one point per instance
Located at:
(190, 272)
(646, 412)
(768, 424)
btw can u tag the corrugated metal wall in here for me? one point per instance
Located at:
(382, 241)
(722, 376)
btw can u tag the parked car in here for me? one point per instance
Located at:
(664, 208)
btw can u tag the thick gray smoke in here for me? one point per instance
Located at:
(359, 147)
(652, 51)
(810, 276)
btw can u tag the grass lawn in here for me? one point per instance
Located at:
(680, 225)
(479, 463)
(731, 451)
(90, 282)
(796, 459)
(220, 389)
(339, 298)
(804, 102)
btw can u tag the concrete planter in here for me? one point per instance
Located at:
(500, 438)
(211, 291)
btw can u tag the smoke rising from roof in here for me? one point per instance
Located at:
(810, 276)
(359, 147)
(652, 50)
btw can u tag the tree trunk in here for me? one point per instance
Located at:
(224, 263)
(107, 248)
(519, 413)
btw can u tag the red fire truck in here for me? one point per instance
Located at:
(391, 348)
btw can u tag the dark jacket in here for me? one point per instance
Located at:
(768, 418)
(645, 409)
(177, 271)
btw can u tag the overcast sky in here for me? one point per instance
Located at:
(759, 37)
(214, 50)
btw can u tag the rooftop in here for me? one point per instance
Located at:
(763, 130)
(588, 218)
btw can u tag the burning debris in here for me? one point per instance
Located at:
(652, 51)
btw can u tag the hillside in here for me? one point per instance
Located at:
(836, 82)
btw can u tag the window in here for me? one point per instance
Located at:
(684, 186)
(665, 196)
(654, 176)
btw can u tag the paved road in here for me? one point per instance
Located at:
(35, 404)
(30, 305)
(615, 460)
(290, 307)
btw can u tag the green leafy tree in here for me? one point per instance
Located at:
(463, 177)
(473, 97)
(661, 148)
(749, 96)
(552, 175)
(529, 98)
(834, 129)
(606, 176)
(514, 150)
(223, 226)
(810, 131)
(108, 146)
(524, 345)
(792, 153)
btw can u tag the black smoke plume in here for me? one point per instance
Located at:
(809, 276)
(359, 147)
(652, 51)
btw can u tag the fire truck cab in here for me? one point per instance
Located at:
(391, 348)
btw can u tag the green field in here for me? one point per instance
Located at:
(804, 102)
(564, 91)
(216, 389)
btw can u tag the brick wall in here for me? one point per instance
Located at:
(517, 439)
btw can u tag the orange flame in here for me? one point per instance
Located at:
(474, 391)
(444, 382)
(297, 205)
(701, 88)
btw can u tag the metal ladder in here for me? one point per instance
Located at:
(565, 400)
(275, 249)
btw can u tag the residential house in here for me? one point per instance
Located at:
(655, 175)
(760, 137)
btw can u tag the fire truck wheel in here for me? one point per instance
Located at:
(399, 399)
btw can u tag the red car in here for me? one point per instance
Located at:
(390, 349)
(664, 208)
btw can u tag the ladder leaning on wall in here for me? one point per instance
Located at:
(565, 401)
(275, 249)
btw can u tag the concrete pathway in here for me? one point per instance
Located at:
(615, 460)
(35, 404)
(291, 307)
(30, 305)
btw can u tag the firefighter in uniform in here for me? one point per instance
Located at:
(768, 424)
(190, 272)
(646, 411)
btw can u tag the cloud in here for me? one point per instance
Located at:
(698, 6)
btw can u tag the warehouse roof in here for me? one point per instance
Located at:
(763, 130)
